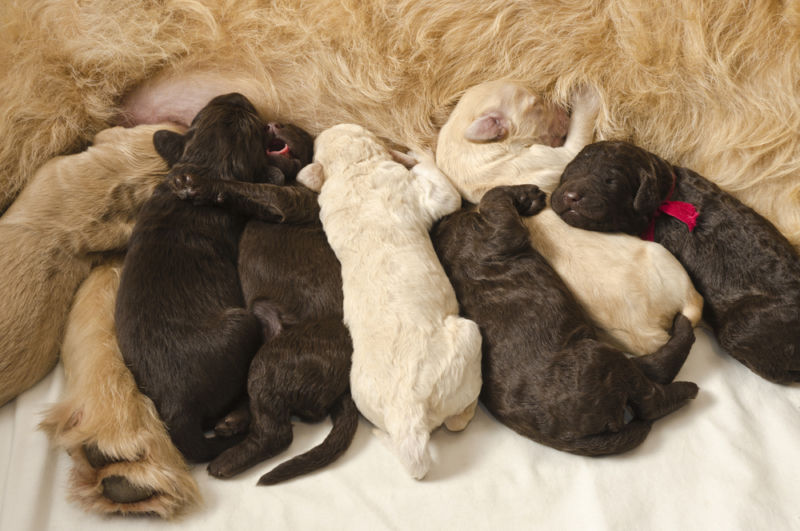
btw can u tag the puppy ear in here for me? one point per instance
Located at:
(169, 145)
(312, 176)
(647, 197)
(488, 127)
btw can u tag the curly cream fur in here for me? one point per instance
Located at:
(710, 85)
(416, 363)
(102, 406)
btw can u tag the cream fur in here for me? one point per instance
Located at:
(102, 406)
(416, 363)
(74, 209)
(631, 288)
(714, 86)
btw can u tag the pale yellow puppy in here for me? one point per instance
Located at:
(416, 363)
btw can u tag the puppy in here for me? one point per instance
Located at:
(292, 281)
(123, 459)
(546, 374)
(416, 363)
(748, 273)
(181, 322)
(629, 288)
(76, 208)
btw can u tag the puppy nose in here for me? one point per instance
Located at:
(572, 197)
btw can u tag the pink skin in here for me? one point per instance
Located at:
(178, 100)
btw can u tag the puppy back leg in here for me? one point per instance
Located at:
(664, 364)
(465, 342)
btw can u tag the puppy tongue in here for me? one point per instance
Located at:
(278, 147)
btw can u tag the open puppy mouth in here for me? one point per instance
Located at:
(276, 146)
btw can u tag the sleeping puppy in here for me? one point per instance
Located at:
(629, 288)
(75, 209)
(292, 281)
(546, 374)
(748, 272)
(416, 363)
(181, 322)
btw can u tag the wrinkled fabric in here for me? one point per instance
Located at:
(728, 460)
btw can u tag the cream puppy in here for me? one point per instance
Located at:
(416, 363)
(631, 288)
(74, 209)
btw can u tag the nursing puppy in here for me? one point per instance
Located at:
(181, 322)
(546, 374)
(123, 460)
(748, 273)
(416, 363)
(292, 281)
(629, 288)
(75, 209)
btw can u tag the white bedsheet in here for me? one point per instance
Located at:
(728, 460)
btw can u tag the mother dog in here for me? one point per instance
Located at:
(399, 65)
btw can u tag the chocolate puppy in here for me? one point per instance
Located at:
(292, 280)
(545, 373)
(747, 271)
(181, 322)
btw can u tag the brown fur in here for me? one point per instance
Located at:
(103, 417)
(713, 85)
(74, 209)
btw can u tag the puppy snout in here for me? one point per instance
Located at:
(572, 197)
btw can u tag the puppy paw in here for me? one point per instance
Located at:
(234, 423)
(585, 99)
(529, 199)
(198, 190)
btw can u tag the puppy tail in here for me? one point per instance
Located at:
(344, 416)
(411, 449)
(629, 437)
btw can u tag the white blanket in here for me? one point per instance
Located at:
(728, 460)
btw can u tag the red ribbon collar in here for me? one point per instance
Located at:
(680, 210)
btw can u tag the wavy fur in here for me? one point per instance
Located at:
(710, 85)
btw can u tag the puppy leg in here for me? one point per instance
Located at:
(771, 349)
(439, 195)
(502, 207)
(266, 202)
(585, 108)
(664, 364)
(651, 401)
(123, 459)
(235, 422)
(460, 421)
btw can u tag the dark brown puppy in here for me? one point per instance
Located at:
(545, 374)
(292, 281)
(747, 272)
(180, 317)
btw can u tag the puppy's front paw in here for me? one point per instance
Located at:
(192, 188)
(586, 99)
(529, 199)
